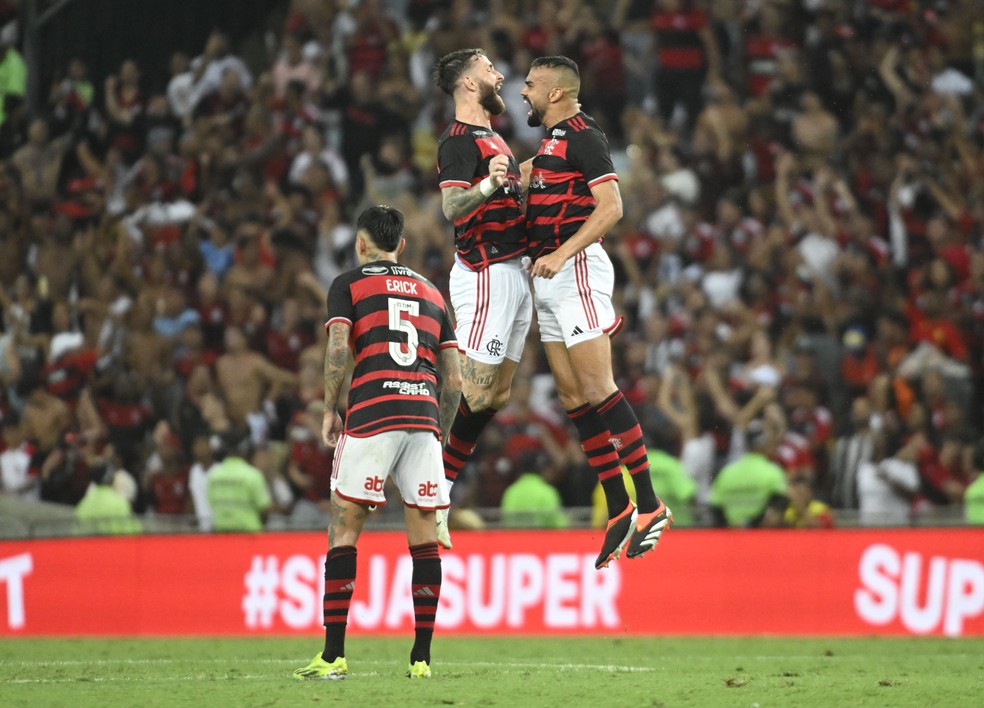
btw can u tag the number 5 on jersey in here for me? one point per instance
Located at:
(403, 354)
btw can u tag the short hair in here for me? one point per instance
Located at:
(556, 62)
(570, 83)
(384, 225)
(449, 68)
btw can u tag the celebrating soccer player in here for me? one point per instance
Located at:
(573, 201)
(396, 324)
(480, 189)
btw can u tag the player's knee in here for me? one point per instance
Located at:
(480, 383)
(500, 399)
(478, 397)
(596, 391)
(570, 400)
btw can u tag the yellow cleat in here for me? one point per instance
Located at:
(324, 670)
(418, 670)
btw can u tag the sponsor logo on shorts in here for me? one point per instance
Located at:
(374, 484)
(577, 331)
(427, 489)
(407, 388)
(494, 347)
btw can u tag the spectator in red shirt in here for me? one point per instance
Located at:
(309, 466)
(930, 325)
(764, 42)
(166, 475)
(685, 55)
(288, 337)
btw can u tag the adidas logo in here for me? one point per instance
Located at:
(577, 331)
(424, 592)
(348, 587)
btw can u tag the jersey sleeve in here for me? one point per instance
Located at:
(457, 158)
(592, 156)
(340, 307)
(448, 338)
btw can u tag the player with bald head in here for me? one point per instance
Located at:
(573, 201)
(481, 197)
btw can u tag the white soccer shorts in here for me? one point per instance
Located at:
(493, 310)
(576, 304)
(411, 458)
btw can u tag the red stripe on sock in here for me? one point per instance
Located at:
(333, 587)
(608, 474)
(459, 445)
(638, 463)
(424, 550)
(594, 443)
(610, 402)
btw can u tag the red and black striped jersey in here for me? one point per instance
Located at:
(571, 160)
(399, 325)
(679, 45)
(494, 231)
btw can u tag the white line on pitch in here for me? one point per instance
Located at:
(561, 666)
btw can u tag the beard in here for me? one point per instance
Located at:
(491, 101)
(535, 118)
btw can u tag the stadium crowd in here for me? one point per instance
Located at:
(800, 259)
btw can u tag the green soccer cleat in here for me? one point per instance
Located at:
(419, 669)
(323, 670)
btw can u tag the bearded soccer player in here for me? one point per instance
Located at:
(396, 324)
(481, 196)
(573, 201)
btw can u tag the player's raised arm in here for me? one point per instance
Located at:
(458, 202)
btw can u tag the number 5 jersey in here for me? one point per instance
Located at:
(399, 325)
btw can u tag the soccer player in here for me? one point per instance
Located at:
(573, 201)
(481, 196)
(396, 324)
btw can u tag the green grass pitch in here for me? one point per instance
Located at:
(509, 672)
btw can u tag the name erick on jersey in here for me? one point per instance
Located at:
(573, 158)
(399, 324)
(494, 231)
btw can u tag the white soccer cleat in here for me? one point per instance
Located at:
(443, 535)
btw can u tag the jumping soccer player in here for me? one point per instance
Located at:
(573, 202)
(481, 196)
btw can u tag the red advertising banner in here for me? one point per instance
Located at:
(698, 582)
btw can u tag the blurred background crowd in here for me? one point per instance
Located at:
(800, 260)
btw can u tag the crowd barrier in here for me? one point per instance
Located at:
(697, 582)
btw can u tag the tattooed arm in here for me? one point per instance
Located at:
(336, 364)
(450, 364)
(458, 201)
